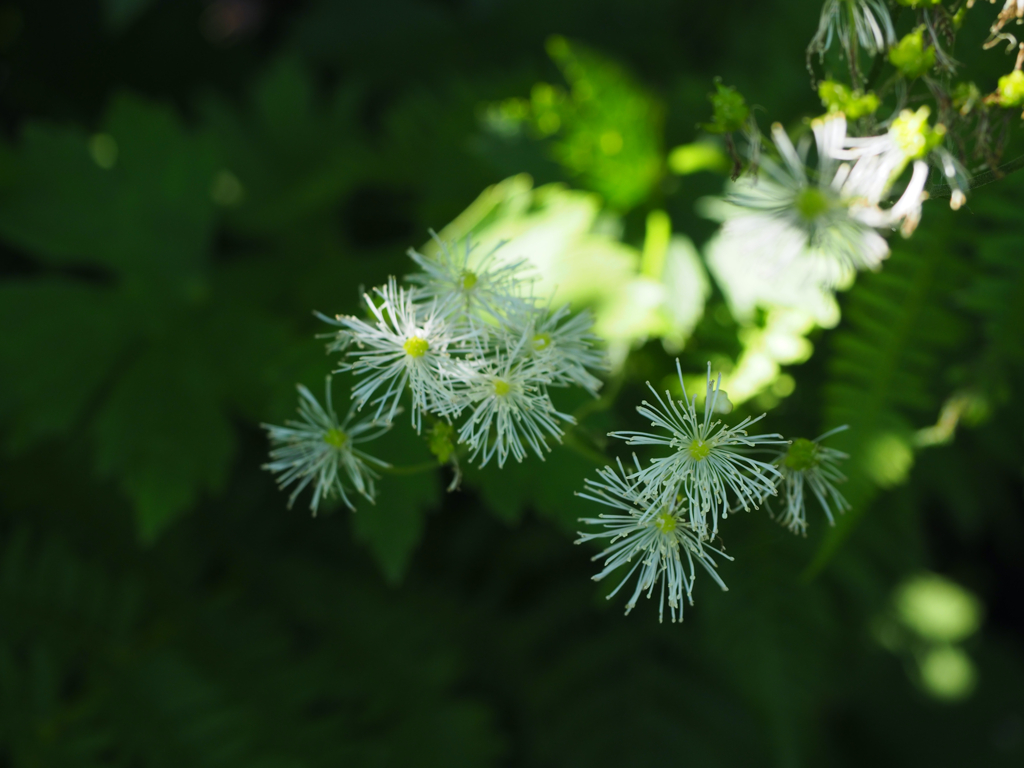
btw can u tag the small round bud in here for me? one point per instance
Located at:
(1011, 89)
(910, 56)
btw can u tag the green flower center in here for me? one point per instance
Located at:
(335, 438)
(802, 454)
(501, 388)
(468, 280)
(699, 450)
(541, 341)
(812, 203)
(665, 522)
(416, 347)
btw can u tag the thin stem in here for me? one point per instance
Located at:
(876, 71)
(944, 192)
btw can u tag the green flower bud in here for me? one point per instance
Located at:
(910, 56)
(913, 134)
(966, 96)
(839, 98)
(1010, 92)
(442, 441)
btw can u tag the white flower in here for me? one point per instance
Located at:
(409, 345)
(564, 351)
(881, 159)
(808, 462)
(321, 449)
(510, 408)
(469, 284)
(827, 220)
(708, 464)
(657, 538)
(867, 20)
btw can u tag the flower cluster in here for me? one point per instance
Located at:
(669, 510)
(658, 536)
(464, 338)
(709, 465)
(468, 338)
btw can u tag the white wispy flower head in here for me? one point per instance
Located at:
(466, 282)
(566, 350)
(657, 540)
(409, 345)
(808, 463)
(828, 218)
(321, 449)
(510, 410)
(709, 466)
(880, 160)
(866, 21)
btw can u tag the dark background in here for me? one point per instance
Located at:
(159, 605)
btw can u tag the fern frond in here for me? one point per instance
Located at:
(886, 369)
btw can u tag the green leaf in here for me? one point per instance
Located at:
(164, 437)
(55, 197)
(58, 343)
(547, 487)
(610, 128)
(134, 198)
(506, 495)
(393, 526)
(293, 154)
(698, 156)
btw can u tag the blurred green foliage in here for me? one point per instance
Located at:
(172, 211)
(729, 110)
